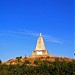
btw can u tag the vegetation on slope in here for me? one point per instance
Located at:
(39, 67)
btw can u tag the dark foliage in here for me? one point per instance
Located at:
(18, 58)
(0, 61)
(42, 68)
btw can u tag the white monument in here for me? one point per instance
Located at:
(40, 49)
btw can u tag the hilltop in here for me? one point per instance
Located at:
(32, 59)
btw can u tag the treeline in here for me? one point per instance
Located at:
(40, 68)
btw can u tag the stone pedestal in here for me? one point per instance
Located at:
(40, 53)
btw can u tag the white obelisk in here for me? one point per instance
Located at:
(40, 49)
(40, 43)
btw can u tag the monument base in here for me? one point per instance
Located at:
(40, 53)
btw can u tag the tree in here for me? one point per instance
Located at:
(18, 58)
(0, 61)
(36, 62)
(27, 62)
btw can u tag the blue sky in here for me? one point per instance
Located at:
(21, 21)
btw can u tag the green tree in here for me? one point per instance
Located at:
(36, 62)
(27, 62)
(0, 61)
(19, 58)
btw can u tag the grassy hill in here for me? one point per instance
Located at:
(32, 59)
(38, 66)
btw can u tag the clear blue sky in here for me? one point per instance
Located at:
(22, 20)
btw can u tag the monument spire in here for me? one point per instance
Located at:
(40, 34)
(40, 43)
(40, 49)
